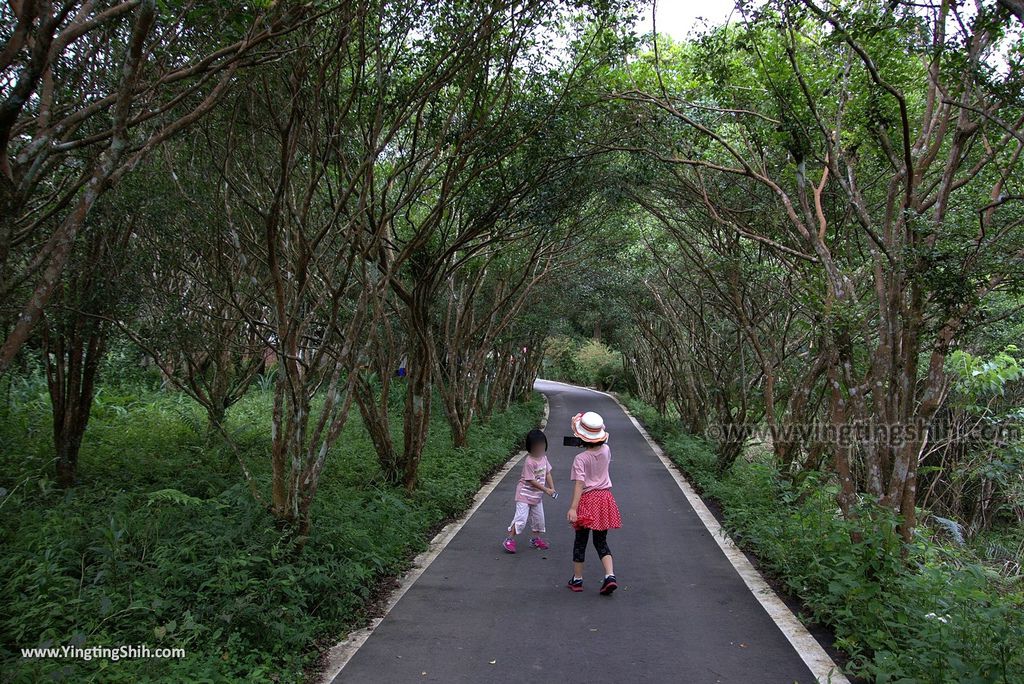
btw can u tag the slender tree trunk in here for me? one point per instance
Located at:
(216, 414)
(72, 362)
(459, 382)
(377, 422)
(839, 414)
(418, 398)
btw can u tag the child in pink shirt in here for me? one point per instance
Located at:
(534, 483)
(593, 507)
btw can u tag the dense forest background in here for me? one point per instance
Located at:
(276, 280)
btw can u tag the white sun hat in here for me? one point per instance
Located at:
(589, 427)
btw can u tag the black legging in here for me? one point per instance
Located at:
(579, 547)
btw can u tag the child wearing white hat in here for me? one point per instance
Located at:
(593, 508)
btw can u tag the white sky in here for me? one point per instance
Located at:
(678, 18)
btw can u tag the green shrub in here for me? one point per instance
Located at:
(163, 545)
(600, 365)
(560, 359)
(935, 617)
(589, 363)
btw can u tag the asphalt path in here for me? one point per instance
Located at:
(681, 614)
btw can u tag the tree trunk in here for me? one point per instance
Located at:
(377, 422)
(416, 424)
(72, 357)
(460, 434)
(216, 414)
(459, 384)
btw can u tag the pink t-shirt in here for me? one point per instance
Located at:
(533, 469)
(591, 466)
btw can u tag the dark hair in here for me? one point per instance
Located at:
(591, 445)
(534, 437)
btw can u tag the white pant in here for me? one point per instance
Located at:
(528, 513)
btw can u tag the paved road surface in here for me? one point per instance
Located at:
(681, 614)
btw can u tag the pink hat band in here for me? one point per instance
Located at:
(589, 427)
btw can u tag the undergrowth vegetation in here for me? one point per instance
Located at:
(162, 544)
(584, 362)
(942, 613)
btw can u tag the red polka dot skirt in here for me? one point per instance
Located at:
(597, 510)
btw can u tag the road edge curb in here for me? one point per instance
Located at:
(817, 660)
(341, 653)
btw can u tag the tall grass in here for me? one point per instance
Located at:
(162, 544)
